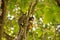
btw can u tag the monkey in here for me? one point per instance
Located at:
(58, 2)
(22, 21)
(30, 25)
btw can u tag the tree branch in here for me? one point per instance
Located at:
(32, 7)
(8, 37)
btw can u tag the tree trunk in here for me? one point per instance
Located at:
(2, 17)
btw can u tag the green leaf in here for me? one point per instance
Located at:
(39, 33)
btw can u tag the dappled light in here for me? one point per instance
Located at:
(29, 19)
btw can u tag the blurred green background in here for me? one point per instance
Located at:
(46, 23)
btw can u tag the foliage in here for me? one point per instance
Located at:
(47, 17)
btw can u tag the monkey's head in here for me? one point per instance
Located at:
(31, 18)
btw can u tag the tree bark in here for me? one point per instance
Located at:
(2, 17)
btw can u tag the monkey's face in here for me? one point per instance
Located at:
(31, 19)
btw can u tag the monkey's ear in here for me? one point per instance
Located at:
(58, 2)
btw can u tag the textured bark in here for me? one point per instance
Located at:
(58, 2)
(2, 17)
